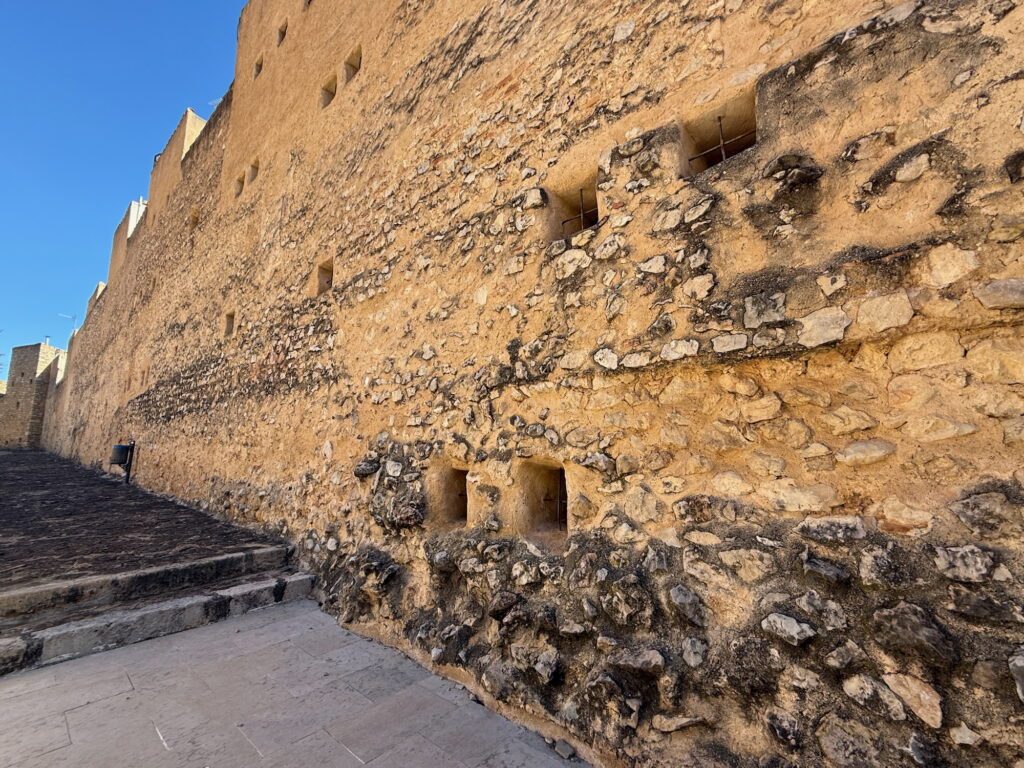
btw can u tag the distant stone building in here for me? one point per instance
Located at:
(24, 397)
(655, 368)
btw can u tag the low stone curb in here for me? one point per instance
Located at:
(119, 628)
(108, 589)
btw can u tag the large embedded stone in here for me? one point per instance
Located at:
(864, 452)
(648, 662)
(925, 350)
(367, 467)
(751, 565)
(688, 604)
(920, 698)
(997, 361)
(880, 313)
(794, 632)
(762, 409)
(874, 696)
(895, 516)
(824, 326)
(832, 530)
(785, 495)
(908, 628)
(844, 420)
(642, 506)
(935, 427)
(761, 309)
(969, 563)
(677, 349)
(986, 513)
(947, 264)
(1002, 294)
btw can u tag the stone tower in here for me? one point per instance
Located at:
(23, 407)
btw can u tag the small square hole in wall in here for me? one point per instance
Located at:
(325, 277)
(328, 91)
(282, 32)
(239, 185)
(257, 68)
(721, 134)
(353, 64)
(229, 325)
(254, 170)
(546, 498)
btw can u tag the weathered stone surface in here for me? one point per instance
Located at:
(921, 699)
(824, 326)
(947, 264)
(908, 628)
(785, 494)
(1002, 294)
(791, 630)
(880, 313)
(968, 563)
(864, 452)
(925, 350)
(997, 361)
(829, 530)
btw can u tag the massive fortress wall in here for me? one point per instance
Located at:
(732, 476)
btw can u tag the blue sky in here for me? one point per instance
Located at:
(89, 93)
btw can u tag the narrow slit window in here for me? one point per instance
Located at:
(229, 325)
(547, 502)
(282, 32)
(725, 133)
(324, 277)
(193, 220)
(239, 185)
(254, 170)
(328, 91)
(353, 64)
(257, 69)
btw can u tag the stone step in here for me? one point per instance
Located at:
(116, 628)
(113, 588)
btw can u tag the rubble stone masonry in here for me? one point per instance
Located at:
(696, 461)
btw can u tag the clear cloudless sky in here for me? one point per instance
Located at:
(90, 91)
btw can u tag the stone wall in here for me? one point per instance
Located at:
(732, 477)
(23, 405)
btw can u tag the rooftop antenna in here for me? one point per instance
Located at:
(72, 318)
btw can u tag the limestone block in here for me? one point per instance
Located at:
(947, 264)
(997, 361)
(925, 350)
(1002, 294)
(824, 326)
(880, 313)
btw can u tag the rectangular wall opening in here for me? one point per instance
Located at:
(573, 207)
(721, 134)
(328, 91)
(282, 32)
(229, 325)
(257, 68)
(239, 185)
(324, 277)
(254, 170)
(546, 496)
(353, 64)
(452, 497)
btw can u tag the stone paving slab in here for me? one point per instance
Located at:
(280, 687)
(61, 521)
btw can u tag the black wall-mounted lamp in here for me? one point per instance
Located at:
(123, 456)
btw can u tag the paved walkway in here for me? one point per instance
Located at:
(283, 687)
